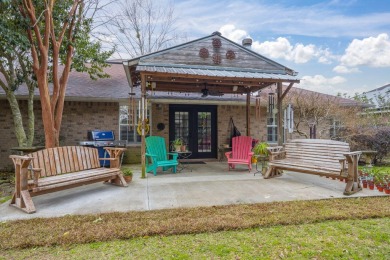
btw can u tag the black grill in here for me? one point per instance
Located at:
(100, 139)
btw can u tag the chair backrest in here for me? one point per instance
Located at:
(316, 150)
(241, 147)
(156, 145)
(54, 161)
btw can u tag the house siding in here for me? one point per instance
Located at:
(78, 118)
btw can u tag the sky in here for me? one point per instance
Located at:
(337, 46)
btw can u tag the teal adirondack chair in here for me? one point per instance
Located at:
(157, 156)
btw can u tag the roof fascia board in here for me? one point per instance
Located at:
(257, 54)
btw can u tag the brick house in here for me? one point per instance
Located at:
(197, 110)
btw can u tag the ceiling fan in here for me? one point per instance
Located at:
(207, 92)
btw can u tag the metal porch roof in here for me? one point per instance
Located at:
(216, 73)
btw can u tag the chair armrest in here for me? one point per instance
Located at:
(227, 154)
(353, 153)
(174, 155)
(150, 155)
(21, 157)
(107, 159)
(275, 149)
(353, 157)
(114, 152)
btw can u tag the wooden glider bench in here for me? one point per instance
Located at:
(61, 168)
(316, 156)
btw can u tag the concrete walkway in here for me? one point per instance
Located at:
(207, 185)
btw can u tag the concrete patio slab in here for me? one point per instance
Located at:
(208, 184)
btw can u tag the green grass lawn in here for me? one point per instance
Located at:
(349, 239)
(350, 228)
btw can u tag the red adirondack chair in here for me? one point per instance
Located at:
(241, 152)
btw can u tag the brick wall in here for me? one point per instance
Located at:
(78, 118)
(258, 128)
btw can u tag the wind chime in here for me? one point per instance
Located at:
(143, 111)
(131, 112)
(289, 118)
(257, 109)
(271, 107)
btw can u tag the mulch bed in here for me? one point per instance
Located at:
(6, 184)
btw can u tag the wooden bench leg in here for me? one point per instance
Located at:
(22, 198)
(352, 187)
(353, 183)
(272, 172)
(24, 202)
(119, 181)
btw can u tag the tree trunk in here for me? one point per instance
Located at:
(47, 116)
(18, 120)
(31, 116)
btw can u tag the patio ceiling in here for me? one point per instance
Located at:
(180, 79)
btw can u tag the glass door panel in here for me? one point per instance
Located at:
(204, 132)
(182, 126)
(197, 126)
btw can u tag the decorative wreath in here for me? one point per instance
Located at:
(139, 127)
(216, 58)
(204, 53)
(230, 55)
(217, 43)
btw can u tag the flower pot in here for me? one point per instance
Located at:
(371, 186)
(177, 148)
(387, 190)
(128, 179)
(183, 148)
(365, 185)
(380, 188)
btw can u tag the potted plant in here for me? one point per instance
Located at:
(176, 144)
(260, 149)
(127, 174)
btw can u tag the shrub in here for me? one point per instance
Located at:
(378, 141)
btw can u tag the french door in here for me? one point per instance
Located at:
(196, 125)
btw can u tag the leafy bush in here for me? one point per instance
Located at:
(378, 141)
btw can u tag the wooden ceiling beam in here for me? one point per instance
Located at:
(156, 76)
(226, 89)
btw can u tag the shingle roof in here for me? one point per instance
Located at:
(82, 88)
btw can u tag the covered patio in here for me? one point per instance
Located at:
(208, 184)
(211, 65)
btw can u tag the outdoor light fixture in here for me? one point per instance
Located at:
(235, 88)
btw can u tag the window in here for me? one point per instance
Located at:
(335, 129)
(128, 131)
(272, 128)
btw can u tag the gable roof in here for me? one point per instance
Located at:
(379, 96)
(210, 57)
(233, 57)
